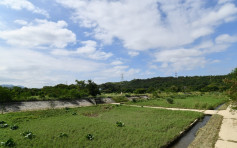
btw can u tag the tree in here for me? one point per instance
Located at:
(92, 88)
(5, 96)
(232, 81)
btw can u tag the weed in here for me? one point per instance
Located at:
(63, 135)
(170, 100)
(28, 134)
(8, 143)
(74, 113)
(120, 124)
(14, 127)
(89, 136)
(3, 125)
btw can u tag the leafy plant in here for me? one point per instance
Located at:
(2, 122)
(8, 143)
(63, 135)
(120, 124)
(89, 136)
(14, 127)
(28, 134)
(3, 125)
(170, 101)
(74, 113)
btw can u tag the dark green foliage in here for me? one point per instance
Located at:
(232, 82)
(5, 95)
(14, 127)
(89, 136)
(180, 84)
(3, 125)
(92, 88)
(140, 91)
(74, 113)
(170, 100)
(63, 135)
(28, 134)
(2, 122)
(120, 124)
(8, 143)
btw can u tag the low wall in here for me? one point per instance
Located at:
(39, 105)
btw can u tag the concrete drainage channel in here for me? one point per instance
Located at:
(190, 134)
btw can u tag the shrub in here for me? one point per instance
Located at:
(14, 127)
(140, 91)
(170, 100)
(28, 134)
(3, 125)
(120, 124)
(63, 135)
(8, 143)
(74, 113)
(89, 136)
(134, 100)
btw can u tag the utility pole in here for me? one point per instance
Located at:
(121, 83)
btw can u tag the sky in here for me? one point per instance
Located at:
(47, 42)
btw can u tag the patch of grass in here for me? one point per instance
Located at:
(206, 101)
(120, 99)
(145, 127)
(207, 136)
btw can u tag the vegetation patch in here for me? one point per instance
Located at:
(208, 135)
(156, 127)
(194, 101)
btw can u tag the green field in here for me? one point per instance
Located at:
(206, 101)
(144, 127)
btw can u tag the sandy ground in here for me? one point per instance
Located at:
(228, 132)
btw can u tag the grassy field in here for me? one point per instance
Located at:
(205, 101)
(144, 127)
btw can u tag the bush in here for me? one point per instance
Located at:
(14, 127)
(89, 136)
(120, 124)
(170, 101)
(8, 143)
(28, 134)
(120, 99)
(63, 135)
(140, 91)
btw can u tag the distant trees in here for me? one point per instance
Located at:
(232, 82)
(5, 96)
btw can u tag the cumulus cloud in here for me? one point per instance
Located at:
(133, 53)
(40, 33)
(143, 25)
(23, 4)
(20, 22)
(88, 50)
(117, 62)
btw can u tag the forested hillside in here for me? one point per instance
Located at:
(175, 84)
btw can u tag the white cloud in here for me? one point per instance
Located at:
(133, 53)
(225, 38)
(40, 33)
(23, 4)
(117, 62)
(180, 59)
(21, 22)
(88, 50)
(141, 26)
(35, 69)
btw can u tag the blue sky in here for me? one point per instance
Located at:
(46, 42)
